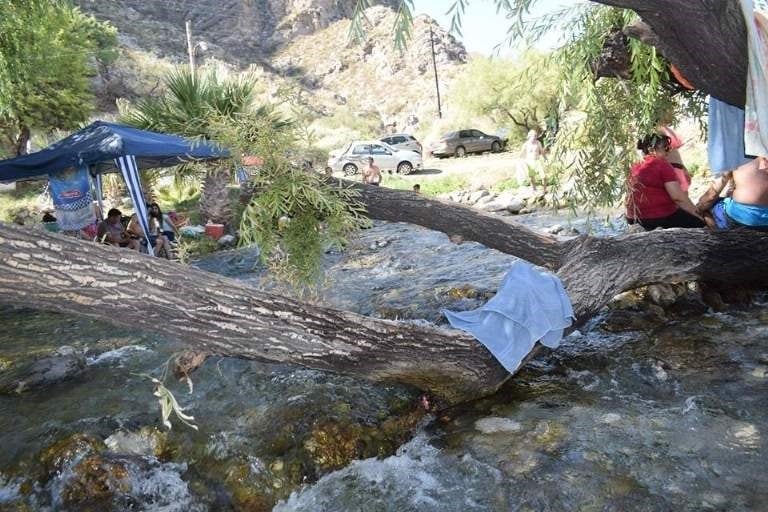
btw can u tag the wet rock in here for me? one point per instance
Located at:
(626, 300)
(641, 319)
(148, 441)
(95, 481)
(492, 425)
(234, 262)
(662, 294)
(64, 451)
(378, 244)
(333, 446)
(462, 292)
(549, 435)
(611, 418)
(66, 363)
(687, 306)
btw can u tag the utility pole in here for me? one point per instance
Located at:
(434, 67)
(190, 48)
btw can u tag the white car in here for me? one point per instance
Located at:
(403, 141)
(355, 156)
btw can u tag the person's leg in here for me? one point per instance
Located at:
(531, 175)
(651, 224)
(733, 224)
(165, 244)
(683, 219)
(679, 219)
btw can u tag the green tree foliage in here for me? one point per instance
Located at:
(596, 143)
(613, 112)
(521, 94)
(48, 52)
(191, 103)
(294, 215)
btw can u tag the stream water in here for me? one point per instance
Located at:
(660, 413)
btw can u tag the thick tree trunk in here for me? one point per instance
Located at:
(705, 39)
(219, 315)
(223, 316)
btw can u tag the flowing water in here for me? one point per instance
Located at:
(668, 416)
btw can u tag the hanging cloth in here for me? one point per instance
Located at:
(70, 191)
(725, 140)
(130, 172)
(756, 108)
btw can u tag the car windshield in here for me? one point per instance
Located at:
(449, 135)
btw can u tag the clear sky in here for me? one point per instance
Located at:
(482, 28)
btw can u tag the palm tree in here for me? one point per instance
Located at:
(189, 107)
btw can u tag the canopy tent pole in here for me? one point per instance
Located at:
(99, 189)
(130, 172)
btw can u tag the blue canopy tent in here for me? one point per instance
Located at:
(107, 147)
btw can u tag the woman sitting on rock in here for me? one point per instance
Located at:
(655, 198)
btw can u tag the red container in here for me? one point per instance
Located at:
(214, 231)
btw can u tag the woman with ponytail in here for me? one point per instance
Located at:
(655, 198)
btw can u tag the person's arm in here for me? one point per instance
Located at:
(102, 234)
(712, 194)
(168, 220)
(133, 229)
(681, 198)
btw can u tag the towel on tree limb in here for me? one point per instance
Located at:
(531, 305)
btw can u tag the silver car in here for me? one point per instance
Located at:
(403, 141)
(355, 156)
(461, 142)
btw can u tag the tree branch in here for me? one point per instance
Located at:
(448, 217)
(705, 39)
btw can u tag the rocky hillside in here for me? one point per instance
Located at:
(300, 55)
(237, 31)
(371, 80)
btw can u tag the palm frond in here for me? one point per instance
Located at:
(359, 20)
(403, 23)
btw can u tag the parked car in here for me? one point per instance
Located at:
(461, 142)
(352, 159)
(403, 141)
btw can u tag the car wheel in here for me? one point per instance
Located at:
(496, 146)
(460, 152)
(349, 169)
(404, 168)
